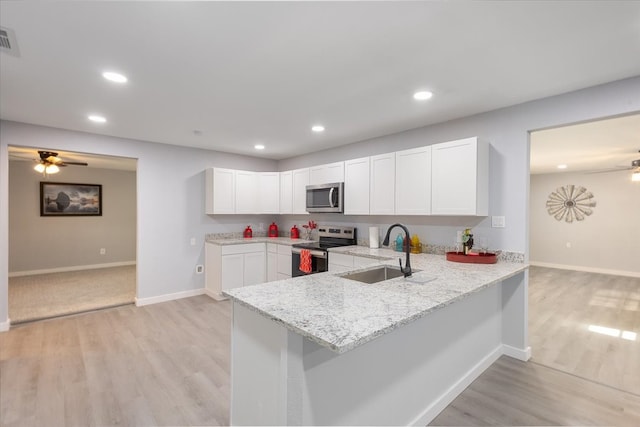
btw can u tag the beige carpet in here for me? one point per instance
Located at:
(50, 295)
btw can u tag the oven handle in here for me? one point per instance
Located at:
(331, 197)
(317, 254)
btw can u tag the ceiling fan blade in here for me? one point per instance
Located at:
(73, 164)
(608, 170)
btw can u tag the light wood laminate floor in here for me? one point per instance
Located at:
(586, 324)
(168, 364)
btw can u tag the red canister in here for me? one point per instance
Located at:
(295, 233)
(248, 232)
(273, 230)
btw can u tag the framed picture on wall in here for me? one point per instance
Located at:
(65, 199)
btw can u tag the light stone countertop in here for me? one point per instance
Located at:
(223, 241)
(342, 314)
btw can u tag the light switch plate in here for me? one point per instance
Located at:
(497, 222)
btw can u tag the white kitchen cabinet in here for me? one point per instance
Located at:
(326, 174)
(356, 186)
(272, 262)
(268, 192)
(300, 182)
(284, 262)
(460, 178)
(344, 262)
(286, 192)
(220, 190)
(246, 192)
(382, 184)
(413, 182)
(232, 266)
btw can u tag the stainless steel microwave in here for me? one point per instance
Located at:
(325, 197)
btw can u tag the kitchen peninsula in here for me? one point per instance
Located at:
(326, 350)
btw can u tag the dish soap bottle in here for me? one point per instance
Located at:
(399, 243)
(416, 247)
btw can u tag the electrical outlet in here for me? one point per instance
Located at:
(103, 251)
(497, 221)
(193, 241)
(199, 269)
(568, 244)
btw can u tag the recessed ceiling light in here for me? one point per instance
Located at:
(259, 147)
(97, 119)
(563, 166)
(317, 128)
(114, 77)
(422, 95)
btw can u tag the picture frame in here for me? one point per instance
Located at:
(69, 199)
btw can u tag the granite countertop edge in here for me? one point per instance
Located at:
(244, 296)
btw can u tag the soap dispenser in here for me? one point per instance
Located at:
(399, 243)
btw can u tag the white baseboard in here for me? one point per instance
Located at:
(449, 396)
(215, 296)
(168, 297)
(586, 269)
(71, 268)
(516, 353)
(4, 326)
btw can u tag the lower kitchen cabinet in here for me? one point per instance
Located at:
(342, 262)
(232, 266)
(278, 262)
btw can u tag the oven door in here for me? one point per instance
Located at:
(319, 262)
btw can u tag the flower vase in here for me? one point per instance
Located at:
(307, 233)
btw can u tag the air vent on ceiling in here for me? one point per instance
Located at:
(8, 43)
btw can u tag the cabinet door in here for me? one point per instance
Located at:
(254, 268)
(220, 191)
(268, 192)
(284, 264)
(300, 182)
(413, 181)
(356, 186)
(382, 184)
(460, 178)
(272, 266)
(232, 271)
(326, 174)
(286, 192)
(246, 192)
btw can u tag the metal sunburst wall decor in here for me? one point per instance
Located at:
(570, 202)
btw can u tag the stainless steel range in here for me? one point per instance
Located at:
(330, 236)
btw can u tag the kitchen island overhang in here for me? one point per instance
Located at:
(324, 350)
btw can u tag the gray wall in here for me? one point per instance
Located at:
(166, 261)
(508, 132)
(42, 243)
(607, 241)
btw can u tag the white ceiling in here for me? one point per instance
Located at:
(249, 72)
(597, 146)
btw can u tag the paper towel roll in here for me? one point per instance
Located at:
(374, 237)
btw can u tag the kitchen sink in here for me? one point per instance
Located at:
(375, 274)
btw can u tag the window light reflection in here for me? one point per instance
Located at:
(612, 332)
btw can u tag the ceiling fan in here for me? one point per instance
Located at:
(635, 166)
(50, 163)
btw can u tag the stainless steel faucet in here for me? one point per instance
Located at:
(407, 265)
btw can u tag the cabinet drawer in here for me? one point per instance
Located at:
(242, 249)
(272, 247)
(284, 249)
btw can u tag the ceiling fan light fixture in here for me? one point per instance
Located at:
(39, 168)
(635, 176)
(52, 169)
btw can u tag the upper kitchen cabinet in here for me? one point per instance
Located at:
(246, 192)
(413, 181)
(269, 192)
(326, 174)
(220, 186)
(300, 182)
(382, 184)
(286, 192)
(356, 186)
(460, 178)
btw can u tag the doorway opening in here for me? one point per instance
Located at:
(584, 280)
(76, 251)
